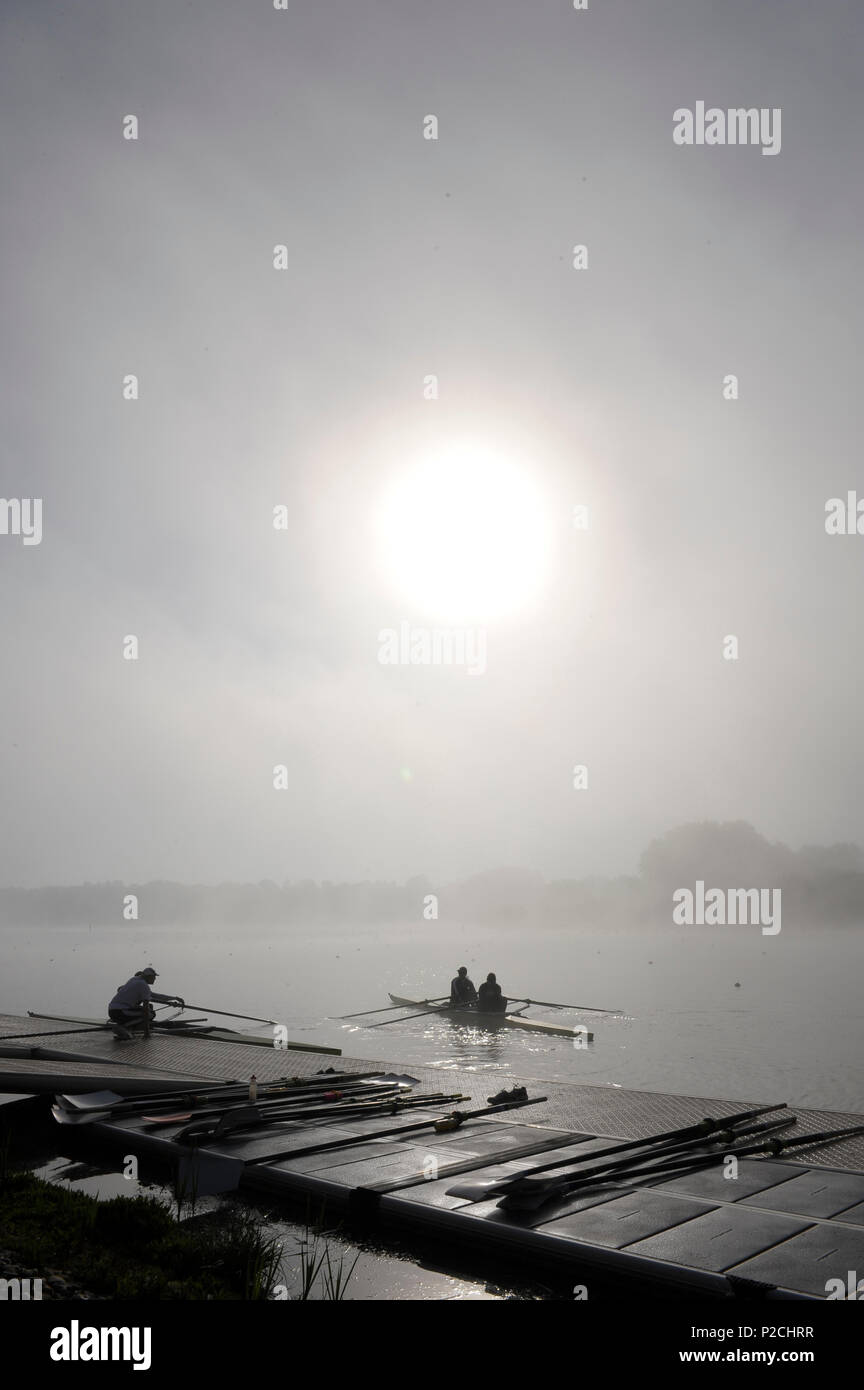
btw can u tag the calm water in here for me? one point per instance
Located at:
(793, 1030)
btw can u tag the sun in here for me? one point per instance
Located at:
(463, 534)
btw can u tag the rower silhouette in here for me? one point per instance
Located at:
(490, 1000)
(462, 991)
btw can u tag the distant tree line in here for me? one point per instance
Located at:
(820, 885)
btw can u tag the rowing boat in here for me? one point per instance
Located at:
(482, 1020)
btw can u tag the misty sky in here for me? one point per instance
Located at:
(304, 387)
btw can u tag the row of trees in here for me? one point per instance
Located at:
(820, 884)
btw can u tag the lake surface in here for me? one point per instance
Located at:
(792, 1030)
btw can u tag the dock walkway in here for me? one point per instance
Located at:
(780, 1230)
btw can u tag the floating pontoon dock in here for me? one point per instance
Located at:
(781, 1230)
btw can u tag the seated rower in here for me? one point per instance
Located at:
(462, 991)
(490, 999)
(131, 1004)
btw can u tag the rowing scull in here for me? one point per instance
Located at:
(529, 1025)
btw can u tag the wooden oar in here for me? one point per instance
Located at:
(535, 1193)
(390, 1007)
(477, 1191)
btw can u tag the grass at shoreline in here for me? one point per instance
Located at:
(132, 1247)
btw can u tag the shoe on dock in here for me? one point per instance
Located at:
(121, 1033)
(517, 1093)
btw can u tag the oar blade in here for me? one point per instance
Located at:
(393, 1079)
(91, 1100)
(82, 1117)
(477, 1191)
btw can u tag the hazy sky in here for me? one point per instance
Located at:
(304, 387)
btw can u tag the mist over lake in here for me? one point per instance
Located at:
(793, 1030)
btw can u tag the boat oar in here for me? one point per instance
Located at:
(251, 1117)
(269, 1104)
(535, 1193)
(422, 1014)
(443, 1125)
(389, 1008)
(224, 1013)
(583, 1008)
(777, 1146)
(477, 1191)
(206, 1173)
(101, 1103)
(199, 1095)
(265, 1105)
(681, 1165)
(58, 1032)
(725, 1131)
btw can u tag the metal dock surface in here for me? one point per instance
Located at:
(781, 1229)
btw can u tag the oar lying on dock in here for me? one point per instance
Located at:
(224, 1013)
(680, 1165)
(493, 1187)
(207, 1103)
(535, 1192)
(207, 1173)
(282, 1100)
(209, 1124)
(166, 1115)
(219, 1091)
(250, 1117)
(339, 1102)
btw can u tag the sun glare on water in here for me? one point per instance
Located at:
(463, 535)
